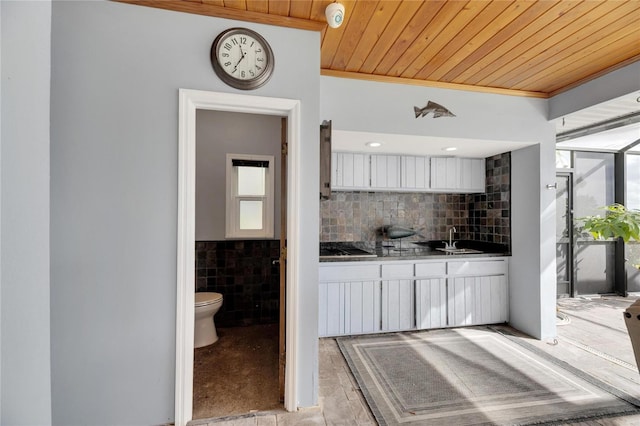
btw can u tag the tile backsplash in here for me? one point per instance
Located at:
(357, 215)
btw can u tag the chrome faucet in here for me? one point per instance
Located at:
(451, 244)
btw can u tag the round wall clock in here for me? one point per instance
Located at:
(242, 58)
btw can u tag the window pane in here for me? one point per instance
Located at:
(594, 179)
(250, 214)
(251, 181)
(563, 159)
(593, 189)
(633, 181)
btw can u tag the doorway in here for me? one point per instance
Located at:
(189, 102)
(564, 235)
(240, 157)
(586, 183)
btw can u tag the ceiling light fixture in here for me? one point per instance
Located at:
(374, 144)
(334, 14)
(450, 148)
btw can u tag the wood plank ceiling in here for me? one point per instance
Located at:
(524, 47)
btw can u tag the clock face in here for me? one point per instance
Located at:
(242, 58)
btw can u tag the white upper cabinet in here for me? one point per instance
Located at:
(458, 174)
(350, 170)
(414, 172)
(444, 173)
(472, 174)
(383, 172)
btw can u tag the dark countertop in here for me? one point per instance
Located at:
(412, 250)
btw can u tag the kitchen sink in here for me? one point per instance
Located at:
(335, 251)
(459, 250)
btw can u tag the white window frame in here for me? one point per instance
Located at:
(232, 215)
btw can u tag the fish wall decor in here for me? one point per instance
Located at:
(437, 110)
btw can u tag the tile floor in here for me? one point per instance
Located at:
(593, 337)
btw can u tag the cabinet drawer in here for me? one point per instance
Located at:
(489, 267)
(431, 269)
(343, 273)
(397, 271)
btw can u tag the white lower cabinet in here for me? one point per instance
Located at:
(349, 308)
(398, 305)
(477, 300)
(362, 307)
(372, 297)
(431, 303)
(331, 313)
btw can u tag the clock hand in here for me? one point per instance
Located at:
(240, 60)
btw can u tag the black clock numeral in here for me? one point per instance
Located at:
(227, 46)
(252, 43)
(258, 50)
(243, 40)
(259, 59)
(258, 67)
(234, 41)
(226, 64)
(243, 74)
(253, 74)
(225, 55)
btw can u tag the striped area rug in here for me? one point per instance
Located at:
(474, 376)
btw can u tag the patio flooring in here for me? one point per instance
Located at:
(592, 336)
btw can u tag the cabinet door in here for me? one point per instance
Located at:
(385, 171)
(477, 300)
(350, 170)
(444, 173)
(398, 305)
(362, 307)
(348, 308)
(414, 172)
(472, 174)
(431, 303)
(330, 309)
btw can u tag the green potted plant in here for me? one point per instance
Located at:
(618, 222)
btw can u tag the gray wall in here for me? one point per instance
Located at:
(25, 370)
(220, 133)
(116, 71)
(358, 105)
(610, 86)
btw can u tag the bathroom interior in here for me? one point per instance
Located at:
(237, 281)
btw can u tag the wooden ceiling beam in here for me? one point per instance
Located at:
(230, 13)
(424, 83)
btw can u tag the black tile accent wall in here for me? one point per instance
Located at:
(244, 273)
(355, 216)
(490, 213)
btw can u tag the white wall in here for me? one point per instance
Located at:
(116, 71)
(388, 108)
(220, 133)
(25, 371)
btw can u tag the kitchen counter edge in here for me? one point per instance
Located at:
(433, 256)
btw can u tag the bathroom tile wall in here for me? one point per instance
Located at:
(356, 215)
(244, 273)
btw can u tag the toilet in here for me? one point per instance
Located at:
(207, 304)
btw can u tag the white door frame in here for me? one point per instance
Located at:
(189, 102)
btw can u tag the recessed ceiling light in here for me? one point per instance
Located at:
(374, 144)
(450, 148)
